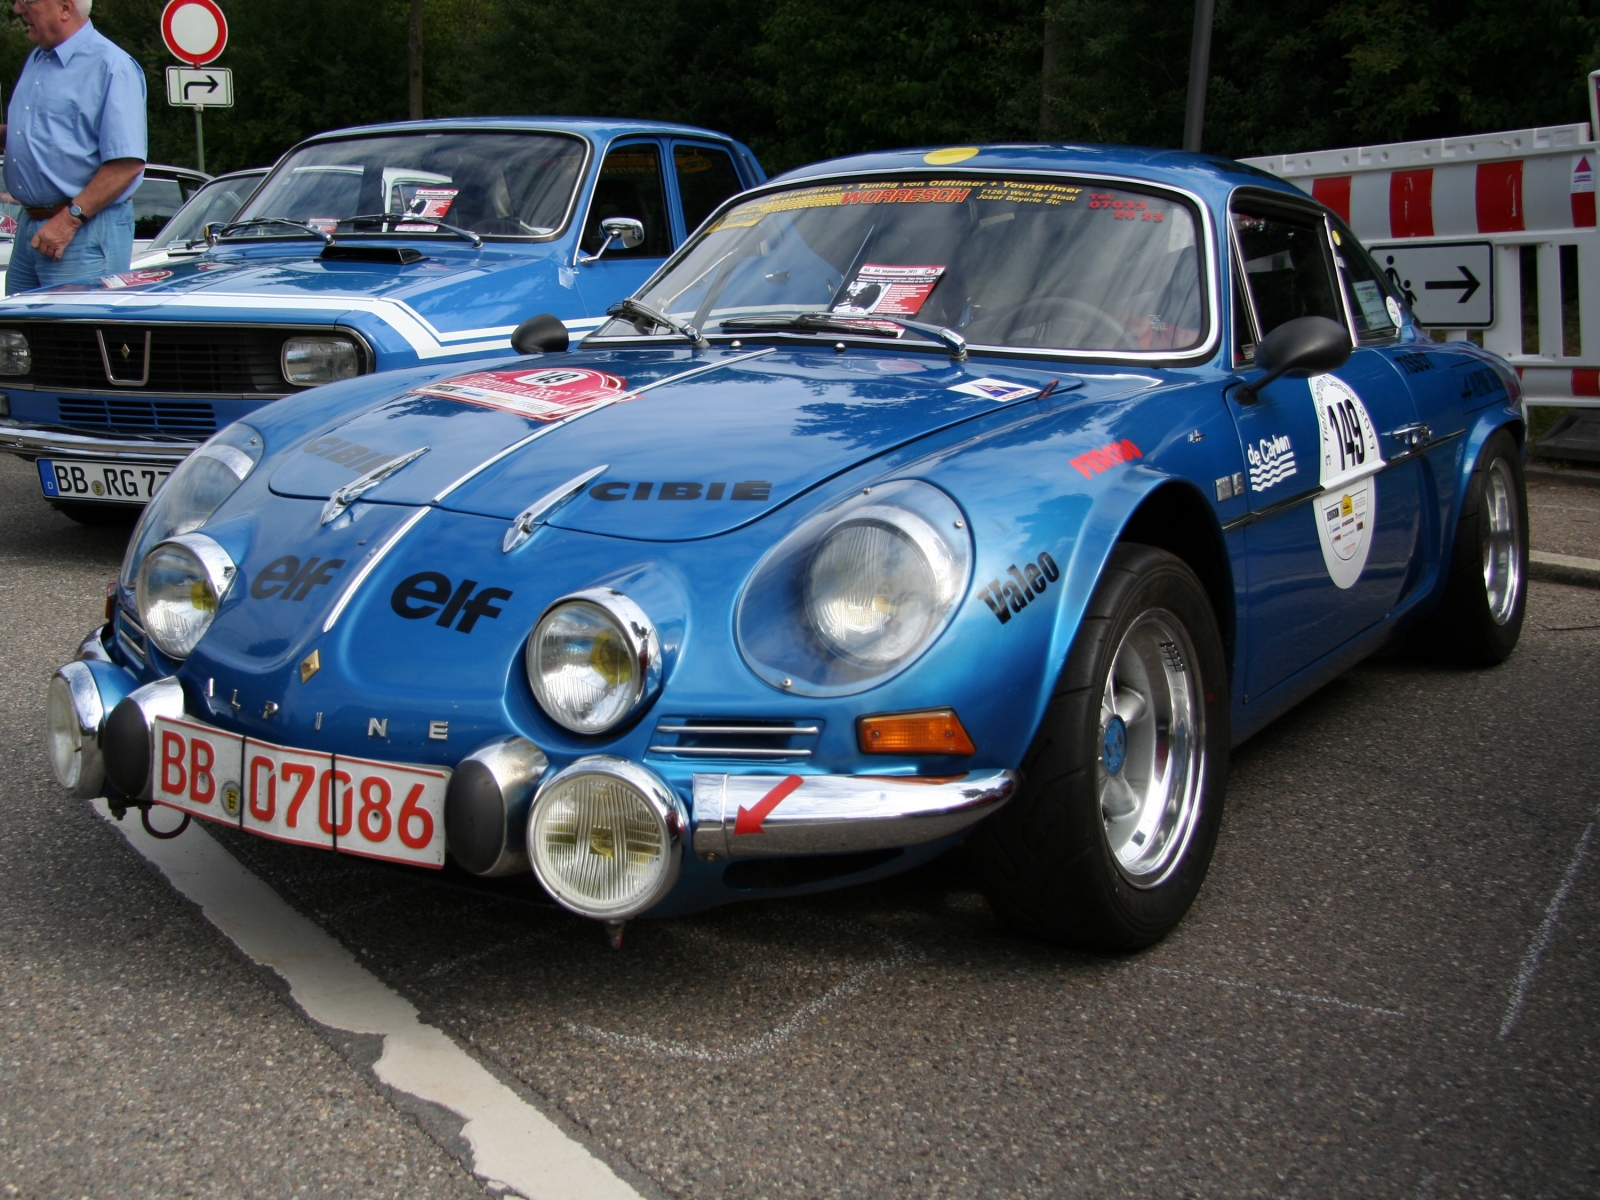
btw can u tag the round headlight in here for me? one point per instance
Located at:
(181, 583)
(877, 584)
(75, 711)
(593, 660)
(606, 837)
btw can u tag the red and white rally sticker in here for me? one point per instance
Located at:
(129, 279)
(553, 394)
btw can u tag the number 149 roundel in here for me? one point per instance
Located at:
(904, 471)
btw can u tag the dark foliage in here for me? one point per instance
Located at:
(806, 79)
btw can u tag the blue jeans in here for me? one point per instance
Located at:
(104, 246)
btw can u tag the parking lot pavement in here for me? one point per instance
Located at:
(1563, 517)
(1387, 988)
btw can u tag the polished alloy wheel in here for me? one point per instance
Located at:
(1152, 748)
(1502, 533)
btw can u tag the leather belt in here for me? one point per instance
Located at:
(44, 214)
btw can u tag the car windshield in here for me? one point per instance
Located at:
(498, 184)
(1016, 262)
(218, 200)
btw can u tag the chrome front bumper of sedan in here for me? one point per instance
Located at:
(35, 442)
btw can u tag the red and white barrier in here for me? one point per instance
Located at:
(1523, 188)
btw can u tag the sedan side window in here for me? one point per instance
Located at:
(1369, 292)
(706, 177)
(1287, 268)
(630, 186)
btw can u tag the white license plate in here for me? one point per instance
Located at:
(68, 479)
(392, 811)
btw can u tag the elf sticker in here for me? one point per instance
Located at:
(554, 394)
(890, 291)
(1348, 461)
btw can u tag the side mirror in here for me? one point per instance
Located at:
(543, 334)
(1304, 346)
(208, 235)
(627, 230)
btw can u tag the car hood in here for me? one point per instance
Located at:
(669, 445)
(450, 290)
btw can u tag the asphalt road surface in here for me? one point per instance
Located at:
(1389, 986)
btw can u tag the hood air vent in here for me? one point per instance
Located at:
(398, 256)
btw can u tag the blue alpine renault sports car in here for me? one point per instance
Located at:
(365, 250)
(988, 493)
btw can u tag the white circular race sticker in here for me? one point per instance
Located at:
(1394, 311)
(1347, 460)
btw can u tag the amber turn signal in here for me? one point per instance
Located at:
(930, 731)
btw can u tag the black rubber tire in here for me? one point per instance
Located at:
(1462, 629)
(1044, 860)
(99, 516)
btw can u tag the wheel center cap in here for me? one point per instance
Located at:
(1114, 747)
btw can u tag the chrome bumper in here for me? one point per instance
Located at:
(44, 443)
(743, 816)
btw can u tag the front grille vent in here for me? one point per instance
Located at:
(717, 737)
(184, 359)
(130, 635)
(181, 418)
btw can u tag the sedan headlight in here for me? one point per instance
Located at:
(16, 358)
(593, 660)
(606, 837)
(181, 584)
(855, 594)
(308, 361)
(193, 492)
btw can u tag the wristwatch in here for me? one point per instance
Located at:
(76, 211)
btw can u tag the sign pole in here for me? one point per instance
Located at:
(199, 139)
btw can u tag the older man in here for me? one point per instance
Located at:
(75, 148)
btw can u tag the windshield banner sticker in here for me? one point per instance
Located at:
(1349, 459)
(553, 394)
(1000, 391)
(892, 291)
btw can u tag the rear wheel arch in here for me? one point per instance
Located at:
(1176, 518)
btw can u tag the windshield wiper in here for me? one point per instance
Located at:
(633, 308)
(255, 221)
(386, 218)
(827, 322)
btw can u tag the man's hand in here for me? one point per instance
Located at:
(55, 235)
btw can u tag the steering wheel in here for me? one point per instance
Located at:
(1041, 310)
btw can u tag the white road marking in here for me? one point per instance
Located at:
(1278, 992)
(514, 1146)
(1541, 936)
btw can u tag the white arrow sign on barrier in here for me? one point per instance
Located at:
(202, 87)
(1449, 285)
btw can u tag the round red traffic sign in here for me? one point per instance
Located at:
(194, 30)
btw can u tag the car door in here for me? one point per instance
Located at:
(705, 176)
(631, 183)
(1333, 527)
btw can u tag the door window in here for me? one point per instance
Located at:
(1369, 293)
(630, 186)
(706, 177)
(1287, 267)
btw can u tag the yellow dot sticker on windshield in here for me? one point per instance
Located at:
(943, 158)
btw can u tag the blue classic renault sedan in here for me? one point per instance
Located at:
(970, 492)
(365, 250)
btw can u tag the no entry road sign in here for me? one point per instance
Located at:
(205, 87)
(1449, 285)
(194, 30)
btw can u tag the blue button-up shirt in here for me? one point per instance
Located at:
(75, 107)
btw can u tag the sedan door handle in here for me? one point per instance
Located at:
(1412, 436)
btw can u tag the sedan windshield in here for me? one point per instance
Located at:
(497, 184)
(217, 201)
(1014, 262)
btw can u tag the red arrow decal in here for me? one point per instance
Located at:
(749, 819)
